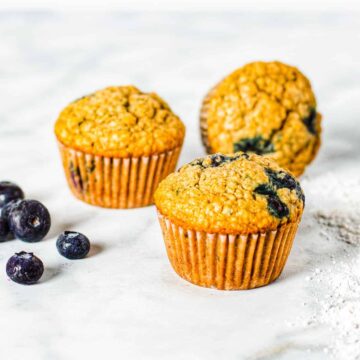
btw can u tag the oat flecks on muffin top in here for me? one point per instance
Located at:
(239, 193)
(120, 121)
(267, 108)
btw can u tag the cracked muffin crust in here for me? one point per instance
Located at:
(267, 108)
(230, 194)
(120, 121)
(117, 144)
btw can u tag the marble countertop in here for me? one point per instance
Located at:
(124, 301)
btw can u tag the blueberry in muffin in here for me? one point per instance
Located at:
(229, 220)
(267, 108)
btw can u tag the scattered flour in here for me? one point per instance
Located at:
(336, 287)
(343, 228)
(340, 307)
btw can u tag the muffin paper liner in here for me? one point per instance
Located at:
(224, 261)
(113, 182)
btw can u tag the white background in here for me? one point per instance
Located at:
(124, 300)
(184, 5)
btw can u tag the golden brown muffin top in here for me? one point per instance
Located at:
(120, 121)
(264, 107)
(239, 193)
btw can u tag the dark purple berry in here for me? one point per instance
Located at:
(281, 179)
(257, 145)
(5, 211)
(310, 121)
(5, 233)
(29, 220)
(73, 245)
(24, 268)
(264, 189)
(8, 192)
(276, 207)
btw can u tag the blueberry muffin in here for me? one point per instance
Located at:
(117, 144)
(229, 220)
(267, 108)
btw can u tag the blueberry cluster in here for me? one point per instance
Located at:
(281, 179)
(27, 220)
(9, 192)
(278, 180)
(275, 206)
(30, 221)
(257, 145)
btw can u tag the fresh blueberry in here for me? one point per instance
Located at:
(5, 211)
(29, 220)
(73, 245)
(24, 268)
(8, 192)
(5, 233)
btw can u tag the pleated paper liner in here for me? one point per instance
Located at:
(116, 182)
(227, 262)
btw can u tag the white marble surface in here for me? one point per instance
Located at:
(124, 301)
